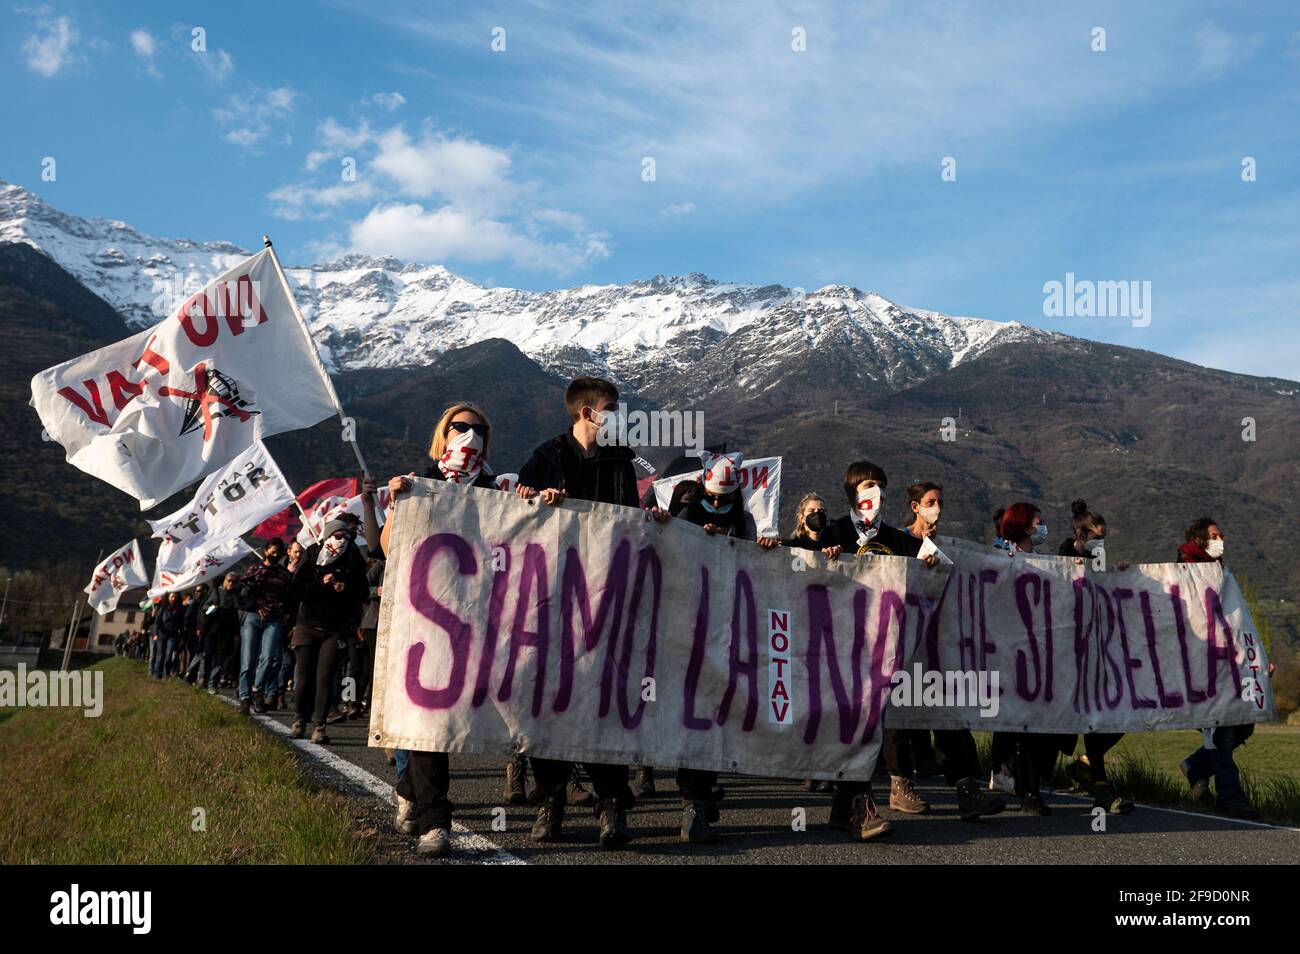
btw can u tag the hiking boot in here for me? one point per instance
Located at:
(335, 716)
(243, 706)
(841, 814)
(643, 782)
(866, 823)
(613, 824)
(516, 772)
(434, 843)
(1105, 796)
(903, 798)
(1237, 809)
(550, 818)
(575, 793)
(272, 703)
(1200, 789)
(295, 730)
(259, 703)
(318, 734)
(695, 824)
(972, 803)
(1034, 805)
(402, 818)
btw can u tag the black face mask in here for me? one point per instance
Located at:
(815, 521)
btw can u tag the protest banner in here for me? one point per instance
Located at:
(1079, 649)
(760, 487)
(228, 503)
(171, 404)
(588, 631)
(123, 569)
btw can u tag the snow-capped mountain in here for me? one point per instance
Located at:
(367, 312)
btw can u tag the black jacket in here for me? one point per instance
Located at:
(606, 477)
(888, 540)
(320, 606)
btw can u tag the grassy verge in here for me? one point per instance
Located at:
(123, 788)
(1144, 766)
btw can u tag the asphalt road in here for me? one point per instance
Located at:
(757, 824)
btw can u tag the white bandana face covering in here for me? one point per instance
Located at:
(869, 504)
(463, 458)
(331, 549)
(1214, 548)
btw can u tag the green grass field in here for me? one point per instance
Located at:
(123, 788)
(1144, 766)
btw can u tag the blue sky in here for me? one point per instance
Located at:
(525, 166)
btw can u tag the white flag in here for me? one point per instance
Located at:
(122, 570)
(327, 508)
(172, 404)
(228, 503)
(202, 568)
(760, 489)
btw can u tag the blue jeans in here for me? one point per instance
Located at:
(259, 639)
(402, 757)
(1219, 761)
(172, 655)
(158, 656)
(287, 664)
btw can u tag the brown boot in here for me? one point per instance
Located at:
(903, 798)
(973, 804)
(867, 823)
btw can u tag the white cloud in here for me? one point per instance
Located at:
(463, 172)
(146, 47)
(1215, 48)
(390, 102)
(677, 210)
(54, 44)
(252, 117)
(411, 232)
(218, 64)
(295, 202)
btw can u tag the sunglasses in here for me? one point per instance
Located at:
(461, 427)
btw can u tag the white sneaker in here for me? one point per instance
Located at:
(1002, 782)
(402, 820)
(434, 843)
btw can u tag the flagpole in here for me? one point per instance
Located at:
(306, 521)
(72, 634)
(311, 344)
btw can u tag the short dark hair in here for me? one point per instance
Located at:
(859, 471)
(1199, 531)
(583, 392)
(919, 489)
(274, 540)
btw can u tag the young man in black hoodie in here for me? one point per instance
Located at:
(582, 464)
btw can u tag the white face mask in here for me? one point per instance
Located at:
(1214, 548)
(929, 514)
(1039, 535)
(463, 456)
(612, 430)
(331, 549)
(1093, 545)
(869, 505)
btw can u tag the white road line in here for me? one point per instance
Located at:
(1201, 815)
(470, 847)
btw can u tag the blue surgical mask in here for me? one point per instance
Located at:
(720, 511)
(1039, 535)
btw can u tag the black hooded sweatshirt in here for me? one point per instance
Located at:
(607, 476)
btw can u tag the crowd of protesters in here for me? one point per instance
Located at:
(303, 622)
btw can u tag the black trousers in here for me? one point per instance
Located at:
(426, 782)
(313, 678)
(957, 755)
(361, 663)
(1032, 756)
(1096, 745)
(696, 785)
(896, 752)
(551, 777)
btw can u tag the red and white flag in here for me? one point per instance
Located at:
(122, 570)
(170, 405)
(202, 567)
(287, 523)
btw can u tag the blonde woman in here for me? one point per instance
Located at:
(458, 453)
(811, 521)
